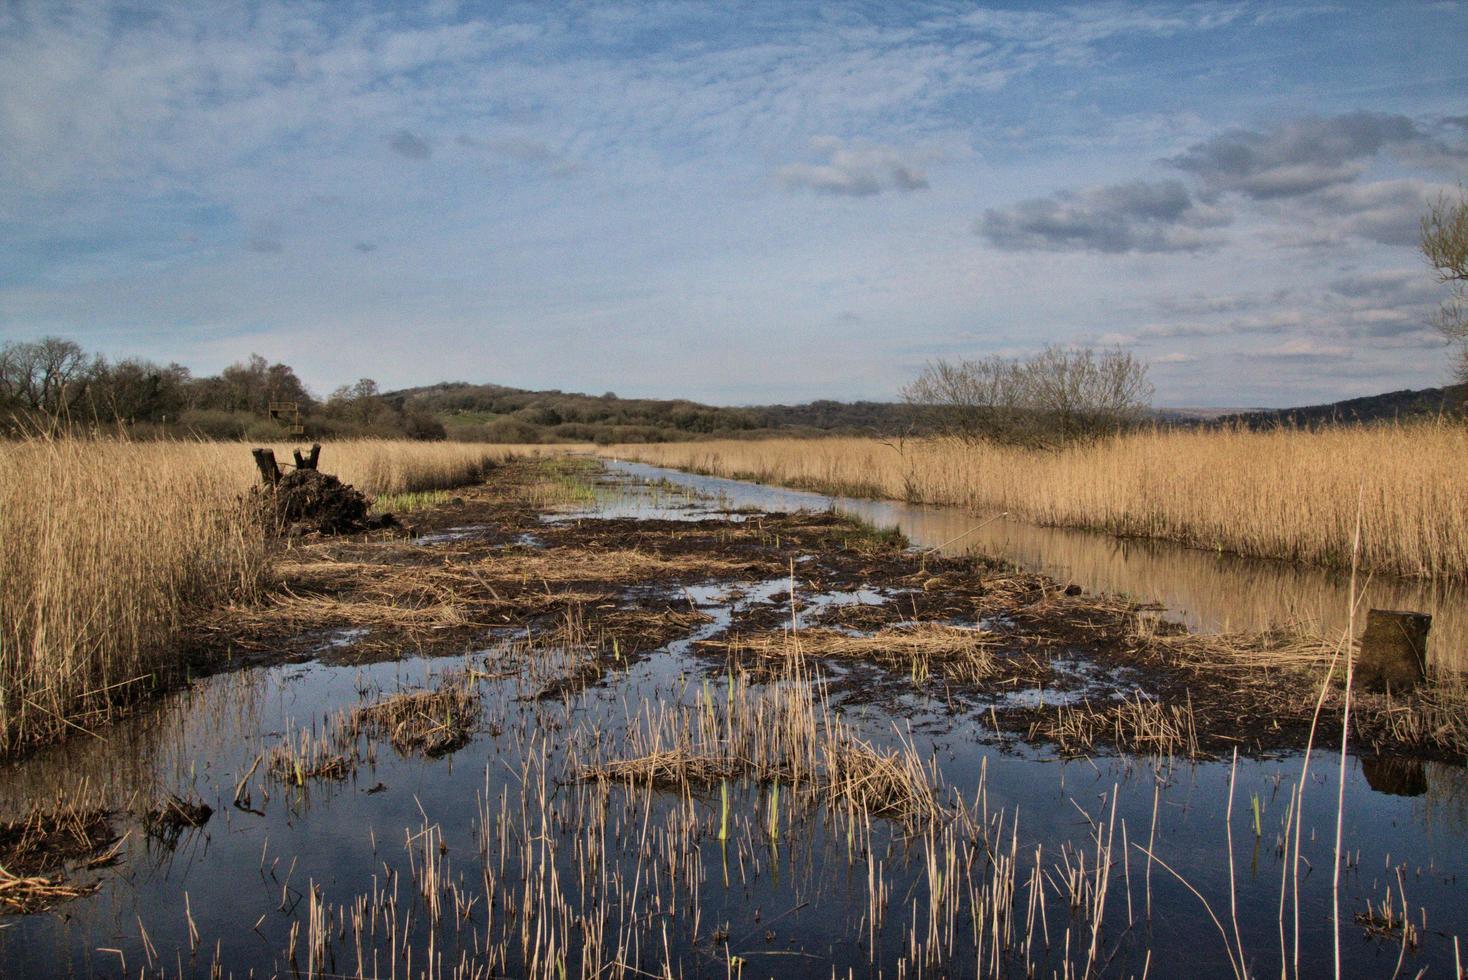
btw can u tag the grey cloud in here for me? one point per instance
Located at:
(1387, 211)
(265, 246)
(1388, 285)
(1297, 157)
(410, 146)
(365, 247)
(853, 171)
(1140, 216)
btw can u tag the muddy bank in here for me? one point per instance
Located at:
(887, 625)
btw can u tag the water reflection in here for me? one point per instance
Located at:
(1206, 590)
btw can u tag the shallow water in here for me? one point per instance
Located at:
(1208, 591)
(548, 863)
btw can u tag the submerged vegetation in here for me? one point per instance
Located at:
(1288, 494)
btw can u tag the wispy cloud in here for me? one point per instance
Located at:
(854, 171)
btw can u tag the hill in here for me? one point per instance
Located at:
(495, 413)
(1390, 406)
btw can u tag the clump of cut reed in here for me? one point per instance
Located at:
(37, 847)
(1298, 650)
(889, 784)
(1432, 718)
(1137, 724)
(308, 756)
(173, 816)
(962, 654)
(1286, 493)
(432, 723)
(783, 733)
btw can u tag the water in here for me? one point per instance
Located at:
(609, 878)
(1208, 591)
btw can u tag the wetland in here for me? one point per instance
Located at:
(590, 719)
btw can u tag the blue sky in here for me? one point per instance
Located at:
(736, 203)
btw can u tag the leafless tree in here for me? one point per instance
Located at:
(1054, 398)
(1445, 244)
(46, 377)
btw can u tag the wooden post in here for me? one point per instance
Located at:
(1393, 649)
(269, 469)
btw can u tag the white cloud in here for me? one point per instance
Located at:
(854, 171)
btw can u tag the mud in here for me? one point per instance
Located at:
(886, 624)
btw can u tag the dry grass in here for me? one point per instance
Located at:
(780, 733)
(307, 756)
(36, 848)
(431, 723)
(1137, 725)
(108, 547)
(1281, 494)
(962, 654)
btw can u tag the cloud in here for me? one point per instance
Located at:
(1302, 349)
(410, 146)
(265, 246)
(1176, 357)
(1140, 216)
(365, 247)
(853, 171)
(1302, 156)
(1386, 211)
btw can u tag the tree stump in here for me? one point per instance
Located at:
(1393, 649)
(308, 461)
(269, 469)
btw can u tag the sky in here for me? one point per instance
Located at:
(738, 203)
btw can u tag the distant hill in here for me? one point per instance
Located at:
(1388, 407)
(495, 413)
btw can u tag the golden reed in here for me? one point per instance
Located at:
(106, 545)
(1285, 494)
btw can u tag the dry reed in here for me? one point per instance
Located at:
(432, 723)
(1287, 494)
(107, 548)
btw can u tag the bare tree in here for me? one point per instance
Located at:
(1445, 244)
(1056, 397)
(48, 377)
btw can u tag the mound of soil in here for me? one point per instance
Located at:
(309, 501)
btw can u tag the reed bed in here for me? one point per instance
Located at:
(108, 547)
(1287, 494)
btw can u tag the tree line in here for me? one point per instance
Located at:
(54, 382)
